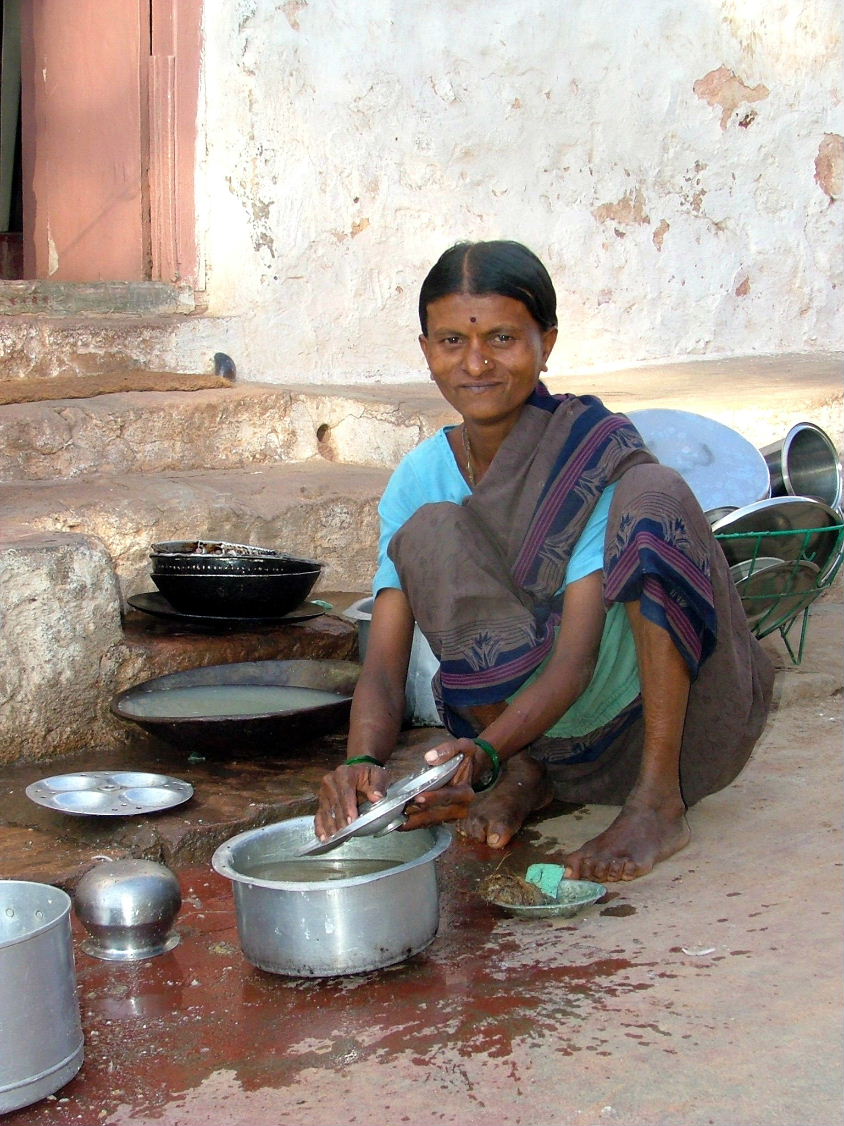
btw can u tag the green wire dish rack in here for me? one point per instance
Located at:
(778, 578)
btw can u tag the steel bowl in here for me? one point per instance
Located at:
(128, 908)
(333, 921)
(237, 595)
(805, 464)
(257, 730)
(791, 528)
(197, 557)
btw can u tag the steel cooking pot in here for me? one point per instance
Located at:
(41, 1042)
(316, 917)
(805, 463)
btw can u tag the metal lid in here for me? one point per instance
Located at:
(377, 818)
(719, 465)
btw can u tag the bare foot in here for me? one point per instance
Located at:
(637, 840)
(495, 817)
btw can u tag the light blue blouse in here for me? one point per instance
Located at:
(429, 474)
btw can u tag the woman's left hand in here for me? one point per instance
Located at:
(450, 802)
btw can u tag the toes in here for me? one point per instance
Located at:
(631, 870)
(499, 834)
(614, 869)
(472, 828)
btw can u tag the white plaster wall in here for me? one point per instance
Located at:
(347, 144)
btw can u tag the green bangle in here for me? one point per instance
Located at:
(490, 778)
(364, 758)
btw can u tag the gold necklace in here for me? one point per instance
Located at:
(470, 472)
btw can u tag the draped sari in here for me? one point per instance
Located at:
(484, 580)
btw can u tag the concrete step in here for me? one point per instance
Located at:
(315, 509)
(67, 647)
(243, 425)
(64, 329)
(260, 424)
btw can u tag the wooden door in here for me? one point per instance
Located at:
(108, 92)
(83, 85)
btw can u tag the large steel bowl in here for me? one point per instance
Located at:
(257, 730)
(805, 464)
(324, 927)
(238, 594)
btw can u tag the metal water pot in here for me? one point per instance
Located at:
(41, 1042)
(305, 927)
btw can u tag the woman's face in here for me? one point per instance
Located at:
(485, 354)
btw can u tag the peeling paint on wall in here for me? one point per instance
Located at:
(345, 146)
(722, 88)
(660, 232)
(291, 9)
(630, 209)
(829, 166)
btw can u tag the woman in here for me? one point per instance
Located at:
(591, 642)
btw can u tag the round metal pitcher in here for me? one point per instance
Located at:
(41, 1042)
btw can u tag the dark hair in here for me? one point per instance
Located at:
(503, 267)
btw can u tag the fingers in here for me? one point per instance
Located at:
(447, 750)
(340, 793)
(450, 803)
(419, 819)
(458, 794)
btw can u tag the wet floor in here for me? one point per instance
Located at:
(156, 1029)
(692, 997)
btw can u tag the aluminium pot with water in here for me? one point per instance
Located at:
(333, 922)
(41, 1041)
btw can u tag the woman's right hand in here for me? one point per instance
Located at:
(340, 794)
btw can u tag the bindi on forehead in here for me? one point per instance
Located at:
(473, 320)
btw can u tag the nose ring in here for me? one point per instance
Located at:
(486, 362)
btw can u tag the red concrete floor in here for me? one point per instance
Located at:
(707, 993)
(156, 1029)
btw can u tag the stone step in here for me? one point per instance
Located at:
(52, 330)
(67, 647)
(252, 424)
(243, 425)
(315, 509)
(86, 485)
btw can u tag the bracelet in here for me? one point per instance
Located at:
(364, 758)
(492, 776)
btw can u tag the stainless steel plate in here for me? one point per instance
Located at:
(743, 571)
(718, 464)
(773, 595)
(109, 793)
(388, 814)
(786, 516)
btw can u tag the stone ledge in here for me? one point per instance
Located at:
(311, 509)
(146, 298)
(231, 796)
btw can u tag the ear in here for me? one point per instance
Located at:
(425, 346)
(549, 339)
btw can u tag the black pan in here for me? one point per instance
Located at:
(266, 730)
